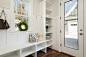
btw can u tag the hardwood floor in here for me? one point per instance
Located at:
(51, 53)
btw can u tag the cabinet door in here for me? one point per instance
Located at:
(56, 33)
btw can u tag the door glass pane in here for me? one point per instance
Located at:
(71, 24)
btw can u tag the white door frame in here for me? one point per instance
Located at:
(77, 53)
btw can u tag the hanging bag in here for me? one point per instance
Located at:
(3, 23)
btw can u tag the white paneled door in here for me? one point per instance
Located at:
(72, 27)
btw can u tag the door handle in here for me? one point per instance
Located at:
(80, 29)
(81, 33)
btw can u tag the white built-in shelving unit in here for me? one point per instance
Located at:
(22, 50)
(42, 16)
(48, 21)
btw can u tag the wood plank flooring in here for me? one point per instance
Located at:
(51, 53)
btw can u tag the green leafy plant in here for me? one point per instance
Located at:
(22, 23)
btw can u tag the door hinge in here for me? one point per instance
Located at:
(60, 31)
(60, 44)
(60, 4)
(60, 17)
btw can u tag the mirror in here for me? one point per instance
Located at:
(71, 24)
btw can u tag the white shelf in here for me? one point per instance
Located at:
(48, 11)
(49, 45)
(50, 0)
(49, 32)
(14, 48)
(48, 3)
(48, 18)
(28, 50)
(40, 42)
(49, 40)
(48, 25)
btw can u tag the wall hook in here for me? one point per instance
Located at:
(3, 9)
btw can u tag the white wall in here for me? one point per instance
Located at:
(38, 20)
(5, 3)
(11, 37)
(8, 38)
(36, 7)
(3, 33)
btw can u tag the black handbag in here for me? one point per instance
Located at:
(3, 23)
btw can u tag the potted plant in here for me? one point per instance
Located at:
(47, 28)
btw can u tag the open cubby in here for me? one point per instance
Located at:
(48, 14)
(12, 54)
(49, 29)
(49, 43)
(28, 50)
(41, 46)
(49, 9)
(48, 22)
(48, 36)
(48, 5)
(49, 18)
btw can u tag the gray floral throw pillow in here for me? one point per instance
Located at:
(33, 37)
